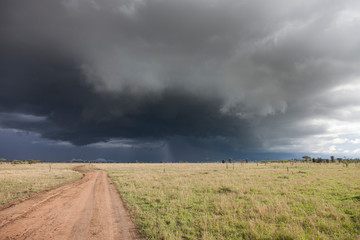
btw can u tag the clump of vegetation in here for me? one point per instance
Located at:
(17, 162)
(225, 190)
(284, 177)
(357, 198)
(31, 161)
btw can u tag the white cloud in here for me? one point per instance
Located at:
(355, 141)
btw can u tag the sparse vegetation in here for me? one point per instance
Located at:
(251, 201)
(21, 179)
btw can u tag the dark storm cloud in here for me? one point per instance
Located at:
(238, 71)
(74, 111)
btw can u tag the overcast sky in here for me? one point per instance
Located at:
(179, 80)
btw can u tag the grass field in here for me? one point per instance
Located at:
(20, 180)
(245, 201)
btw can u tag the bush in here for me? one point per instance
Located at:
(31, 161)
(17, 162)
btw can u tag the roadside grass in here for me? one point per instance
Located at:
(245, 201)
(20, 180)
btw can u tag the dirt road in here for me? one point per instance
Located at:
(89, 208)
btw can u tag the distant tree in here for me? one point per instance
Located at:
(246, 160)
(332, 159)
(223, 161)
(306, 158)
(17, 162)
(230, 160)
(2, 160)
(31, 161)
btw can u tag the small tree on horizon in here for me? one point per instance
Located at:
(17, 162)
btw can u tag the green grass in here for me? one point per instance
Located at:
(20, 180)
(208, 201)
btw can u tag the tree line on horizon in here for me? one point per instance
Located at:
(27, 161)
(304, 159)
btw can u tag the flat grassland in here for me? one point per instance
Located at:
(243, 201)
(20, 180)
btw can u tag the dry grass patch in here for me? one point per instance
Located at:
(20, 180)
(208, 201)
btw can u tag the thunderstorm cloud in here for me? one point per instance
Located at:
(271, 76)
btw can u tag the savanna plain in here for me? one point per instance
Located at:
(219, 201)
(22, 180)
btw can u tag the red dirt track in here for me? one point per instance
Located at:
(89, 208)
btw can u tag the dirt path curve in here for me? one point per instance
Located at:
(89, 208)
